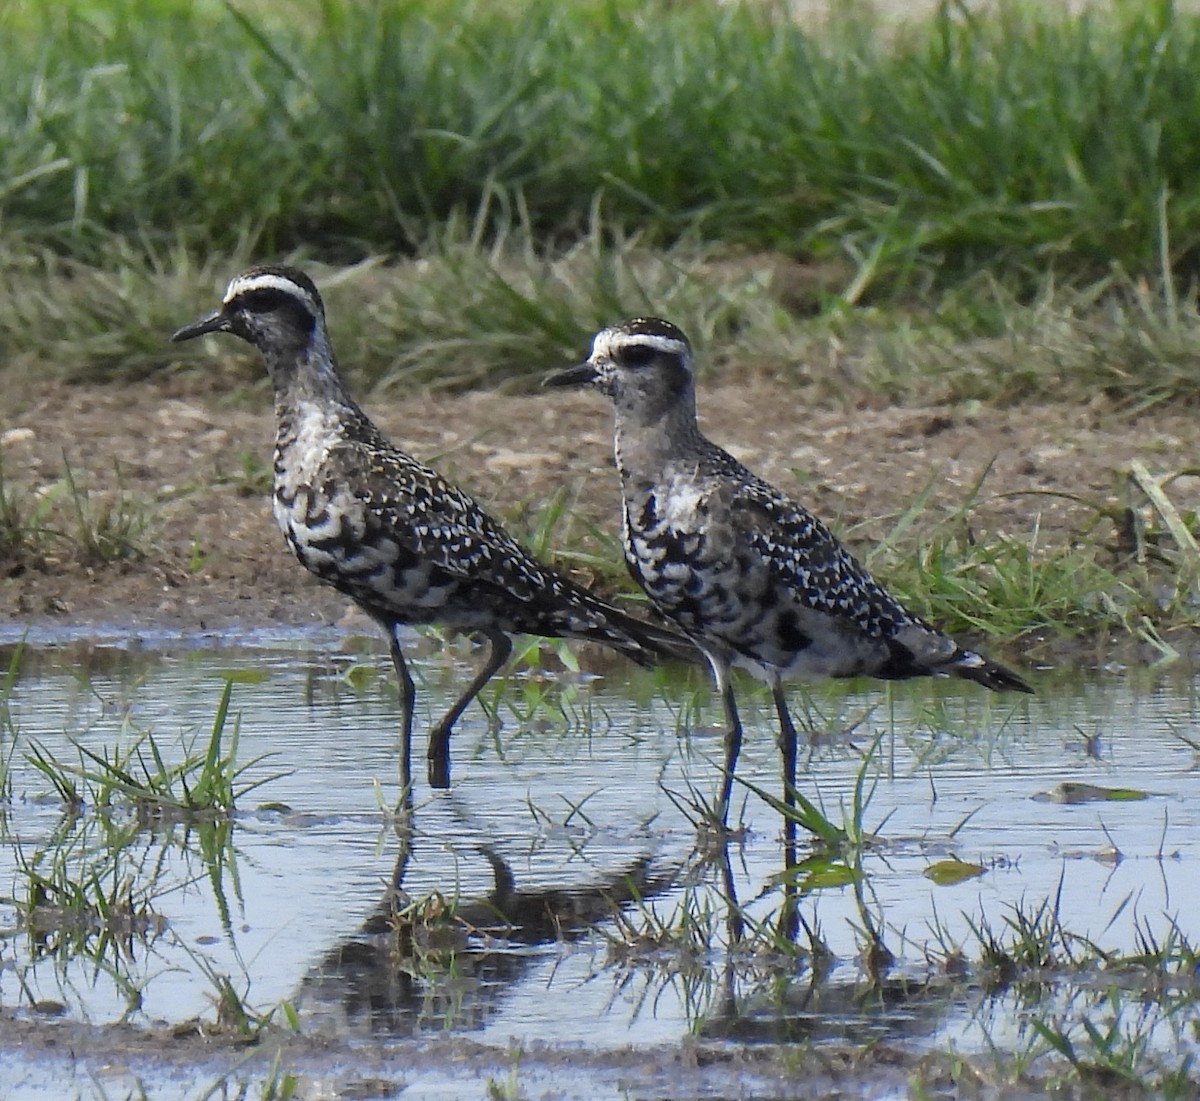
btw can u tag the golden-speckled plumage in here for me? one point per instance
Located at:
(388, 531)
(752, 577)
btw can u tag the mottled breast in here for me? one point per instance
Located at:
(681, 548)
(331, 528)
(687, 545)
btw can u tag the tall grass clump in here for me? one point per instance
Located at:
(69, 519)
(1011, 139)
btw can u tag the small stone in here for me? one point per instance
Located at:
(15, 436)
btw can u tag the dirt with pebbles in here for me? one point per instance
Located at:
(193, 457)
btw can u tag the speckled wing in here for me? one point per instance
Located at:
(809, 563)
(447, 532)
(445, 527)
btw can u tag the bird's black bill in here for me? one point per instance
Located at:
(213, 323)
(581, 375)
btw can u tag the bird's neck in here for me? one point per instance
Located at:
(651, 442)
(313, 409)
(307, 375)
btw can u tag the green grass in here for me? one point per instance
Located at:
(22, 522)
(90, 890)
(463, 314)
(68, 519)
(1000, 207)
(1089, 1022)
(206, 783)
(1088, 1019)
(1130, 571)
(1015, 140)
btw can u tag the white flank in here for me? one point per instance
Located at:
(682, 501)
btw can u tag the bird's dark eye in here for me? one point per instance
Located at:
(636, 355)
(266, 300)
(287, 309)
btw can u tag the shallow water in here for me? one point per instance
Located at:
(557, 819)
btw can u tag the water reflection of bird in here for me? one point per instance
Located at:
(753, 578)
(389, 532)
(451, 959)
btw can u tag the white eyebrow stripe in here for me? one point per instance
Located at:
(610, 341)
(269, 281)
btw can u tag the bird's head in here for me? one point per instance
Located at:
(643, 365)
(277, 309)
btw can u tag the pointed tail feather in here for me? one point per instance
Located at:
(592, 619)
(652, 644)
(972, 666)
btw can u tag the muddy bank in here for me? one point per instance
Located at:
(194, 457)
(445, 1066)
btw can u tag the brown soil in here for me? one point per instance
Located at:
(216, 558)
(322, 1065)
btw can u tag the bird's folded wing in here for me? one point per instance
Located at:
(808, 563)
(446, 527)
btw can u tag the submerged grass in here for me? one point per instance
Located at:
(8, 727)
(205, 784)
(91, 894)
(1087, 1019)
(133, 825)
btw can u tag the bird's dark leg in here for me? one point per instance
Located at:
(500, 647)
(734, 924)
(733, 730)
(787, 747)
(404, 831)
(789, 912)
(733, 747)
(408, 697)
